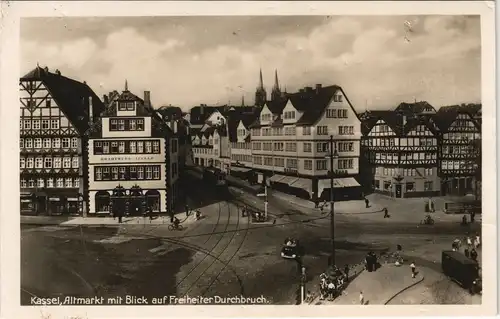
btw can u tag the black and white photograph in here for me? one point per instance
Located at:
(259, 159)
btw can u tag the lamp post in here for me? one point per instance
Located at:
(333, 155)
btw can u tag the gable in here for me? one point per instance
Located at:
(216, 116)
(290, 114)
(381, 128)
(464, 122)
(420, 129)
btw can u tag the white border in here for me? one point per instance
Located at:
(10, 232)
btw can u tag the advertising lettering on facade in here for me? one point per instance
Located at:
(127, 158)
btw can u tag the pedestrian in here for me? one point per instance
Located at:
(473, 254)
(150, 212)
(367, 203)
(331, 290)
(187, 210)
(413, 270)
(466, 253)
(361, 298)
(346, 272)
(464, 220)
(120, 217)
(316, 202)
(472, 216)
(469, 242)
(386, 213)
(477, 241)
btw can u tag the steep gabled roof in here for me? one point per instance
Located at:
(277, 106)
(71, 96)
(415, 108)
(199, 114)
(245, 115)
(446, 115)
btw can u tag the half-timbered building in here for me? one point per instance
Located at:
(460, 149)
(54, 116)
(132, 165)
(401, 149)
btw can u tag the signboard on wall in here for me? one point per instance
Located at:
(127, 158)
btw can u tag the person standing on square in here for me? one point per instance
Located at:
(413, 270)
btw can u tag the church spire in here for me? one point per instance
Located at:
(260, 93)
(242, 100)
(261, 82)
(126, 85)
(276, 92)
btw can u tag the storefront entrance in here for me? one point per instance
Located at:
(399, 190)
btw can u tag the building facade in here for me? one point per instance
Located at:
(401, 148)
(54, 112)
(291, 138)
(460, 149)
(132, 159)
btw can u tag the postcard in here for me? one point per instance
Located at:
(225, 159)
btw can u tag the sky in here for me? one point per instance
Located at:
(184, 61)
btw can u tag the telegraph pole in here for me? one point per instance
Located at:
(333, 154)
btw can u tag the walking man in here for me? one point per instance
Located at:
(346, 272)
(361, 298)
(469, 242)
(187, 210)
(473, 254)
(472, 216)
(367, 203)
(466, 252)
(413, 270)
(386, 213)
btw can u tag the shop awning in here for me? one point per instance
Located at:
(288, 180)
(303, 183)
(276, 178)
(240, 169)
(337, 183)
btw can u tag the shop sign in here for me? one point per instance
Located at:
(130, 158)
(54, 199)
(25, 200)
(72, 199)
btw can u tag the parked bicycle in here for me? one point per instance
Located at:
(175, 227)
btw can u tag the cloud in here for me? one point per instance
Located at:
(368, 56)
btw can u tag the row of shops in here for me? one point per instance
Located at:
(52, 203)
(310, 188)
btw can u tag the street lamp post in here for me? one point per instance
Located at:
(333, 155)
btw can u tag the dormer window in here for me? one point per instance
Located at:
(265, 117)
(337, 98)
(289, 115)
(126, 106)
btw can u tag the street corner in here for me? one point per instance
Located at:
(377, 287)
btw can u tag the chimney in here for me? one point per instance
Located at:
(46, 69)
(318, 88)
(308, 89)
(202, 109)
(91, 114)
(175, 127)
(147, 98)
(58, 72)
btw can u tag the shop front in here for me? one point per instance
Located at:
(134, 201)
(52, 202)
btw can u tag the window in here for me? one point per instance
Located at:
(308, 165)
(156, 171)
(36, 124)
(24, 184)
(121, 125)
(140, 125)
(47, 143)
(27, 124)
(48, 162)
(114, 147)
(428, 172)
(122, 106)
(22, 162)
(105, 147)
(21, 142)
(337, 98)
(322, 147)
(29, 162)
(377, 184)
(132, 172)
(149, 172)
(75, 162)
(307, 147)
(76, 182)
(346, 130)
(98, 173)
(428, 186)
(348, 164)
(387, 185)
(156, 147)
(50, 182)
(114, 173)
(113, 125)
(121, 147)
(140, 172)
(279, 162)
(331, 113)
(38, 143)
(291, 163)
(54, 124)
(69, 182)
(38, 162)
(174, 170)
(132, 125)
(60, 182)
(410, 187)
(45, 124)
(48, 102)
(268, 161)
(321, 165)
(130, 106)
(40, 182)
(121, 173)
(306, 130)
(74, 142)
(149, 147)
(140, 147)
(29, 143)
(105, 173)
(65, 142)
(322, 130)
(31, 183)
(56, 143)
(67, 162)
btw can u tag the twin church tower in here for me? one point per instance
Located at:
(261, 93)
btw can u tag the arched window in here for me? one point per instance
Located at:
(153, 200)
(102, 201)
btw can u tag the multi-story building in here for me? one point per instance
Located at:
(54, 116)
(211, 146)
(460, 149)
(239, 121)
(400, 147)
(291, 138)
(133, 158)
